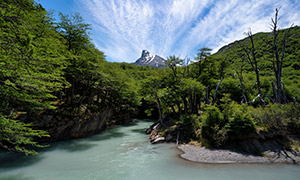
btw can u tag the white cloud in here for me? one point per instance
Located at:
(122, 28)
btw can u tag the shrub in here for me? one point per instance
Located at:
(277, 116)
(240, 122)
(191, 125)
(213, 126)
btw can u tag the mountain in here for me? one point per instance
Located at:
(148, 59)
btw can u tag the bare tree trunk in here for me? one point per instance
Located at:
(272, 100)
(243, 90)
(255, 62)
(215, 94)
(250, 54)
(222, 78)
(279, 94)
(274, 92)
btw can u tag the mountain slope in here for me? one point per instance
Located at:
(291, 63)
(148, 59)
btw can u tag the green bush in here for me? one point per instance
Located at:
(277, 116)
(213, 126)
(237, 117)
(191, 125)
(240, 122)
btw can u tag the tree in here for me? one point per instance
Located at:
(151, 87)
(201, 55)
(191, 92)
(278, 55)
(75, 32)
(31, 70)
(249, 55)
(239, 72)
(222, 78)
(172, 62)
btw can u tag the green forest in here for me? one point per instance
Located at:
(55, 84)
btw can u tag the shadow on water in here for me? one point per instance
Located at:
(71, 146)
(112, 133)
(78, 145)
(15, 177)
(17, 160)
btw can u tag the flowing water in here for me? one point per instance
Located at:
(125, 153)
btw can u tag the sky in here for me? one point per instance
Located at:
(123, 28)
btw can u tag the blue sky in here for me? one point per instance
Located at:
(123, 28)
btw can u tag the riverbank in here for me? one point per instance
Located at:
(229, 156)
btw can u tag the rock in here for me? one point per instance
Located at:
(153, 127)
(157, 139)
(63, 129)
(148, 59)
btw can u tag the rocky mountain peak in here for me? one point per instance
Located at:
(145, 53)
(148, 59)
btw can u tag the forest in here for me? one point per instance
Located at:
(55, 84)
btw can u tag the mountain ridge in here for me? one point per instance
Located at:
(152, 60)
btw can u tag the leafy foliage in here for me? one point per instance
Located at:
(53, 68)
(16, 135)
(31, 68)
(213, 126)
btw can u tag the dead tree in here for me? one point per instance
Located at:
(222, 78)
(277, 58)
(239, 72)
(249, 56)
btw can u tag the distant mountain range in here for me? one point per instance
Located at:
(152, 60)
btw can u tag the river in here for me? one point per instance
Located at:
(124, 153)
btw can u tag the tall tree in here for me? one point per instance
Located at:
(75, 32)
(202, 54)
(31, 70)
(249, 55)
(151, 88)
(172, 62)
(278, 55)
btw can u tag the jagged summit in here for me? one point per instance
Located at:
(152, 60)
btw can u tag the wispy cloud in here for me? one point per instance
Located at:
(122, 28)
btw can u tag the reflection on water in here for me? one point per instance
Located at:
(125, 153)
(16, 160)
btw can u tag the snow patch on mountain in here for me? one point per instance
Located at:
(148, 59)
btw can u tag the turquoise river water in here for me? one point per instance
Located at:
(124, 153)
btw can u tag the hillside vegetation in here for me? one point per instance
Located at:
(54, 84)
(233, 94)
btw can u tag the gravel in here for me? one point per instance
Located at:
(225, 156)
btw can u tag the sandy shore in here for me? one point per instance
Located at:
(222, 156)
